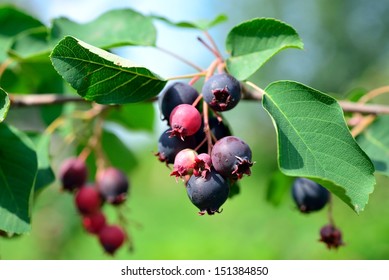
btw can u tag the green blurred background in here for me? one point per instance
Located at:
(346, 48)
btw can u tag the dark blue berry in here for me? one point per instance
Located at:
(208, 193)
(308, 195)
(222, 92)
(113, 185)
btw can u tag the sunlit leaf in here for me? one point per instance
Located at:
(315, 142)
(199, 24)
(101, 76)
(4, 104)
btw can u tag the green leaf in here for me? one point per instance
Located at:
(112, 29)
(12, 22)
(18, 168)
(315, 142)
(375, 142)
(101, 76)
(254, 42)
(31, 45)
(200, 24)
(4, 104)
(138, 116)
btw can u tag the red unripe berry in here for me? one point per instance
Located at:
(73, 174)
(113, 185)
(185, 120)
(94, 223)
(111, 238)
(88, 200)
(184, 163)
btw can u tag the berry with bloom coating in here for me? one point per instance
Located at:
(208, 193)
(222, 92)
(185, 120)
(331, 236)
(308, 195)
(88, 200)
(113, 185)
(73, 174)
(184, 163)
(231, 157)
(176, 94)
(94, 223)
(111, 238)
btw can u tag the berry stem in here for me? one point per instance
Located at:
(187, 76)
(214, 45)
(330, 210)
(362, 125)
(194, 104)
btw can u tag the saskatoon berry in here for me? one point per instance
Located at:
(73, 174)
(94, 223)
(231, 157)
(184, 163)
(88, 200)
(222, 92)
(202, 165)
(308, 195)
(185, 120)
(331, 236)
(168, 147)
(111, 238)
(208, 193)
(176, 94)
(113, 185)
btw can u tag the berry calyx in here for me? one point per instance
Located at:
(209, 193)
(88, 200)
(176, 94)
(222, 92)
(202, 165)
(331, 236)
(184, 163)
(111, 238)
(73, 174)
(308, 195)
(94, 223)
(231, 157)
(185, 120)
(113, 185)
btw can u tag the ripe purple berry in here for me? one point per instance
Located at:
(111, 238)
(308, 195)
(176, 94)
(231, 157)
(94, 223)
(331, 236)
(222, 92)
(185, 120)
(168, 147)
(113, 185)
(208, 193)
(88, 200)
(73, 174)
(184, 163)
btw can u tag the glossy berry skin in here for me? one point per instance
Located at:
(176, 94)
(331, 236)
(222, 92)
(88, 200)
(231, 157)
(113, 185)
(184, 163)
(94, 223)
(111, 238)
(185, 120)
(209, 193)
(168, 147)
(73, 174)
(308, 195)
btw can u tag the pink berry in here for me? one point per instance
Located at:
(88, 200)
(185, 120)
(94, 223)
(184, 163)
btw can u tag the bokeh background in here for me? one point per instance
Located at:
(346, 49)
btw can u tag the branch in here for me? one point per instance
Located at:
(25, 100)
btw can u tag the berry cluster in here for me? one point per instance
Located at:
(199, 144)
(309, 197)
(111, 187)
